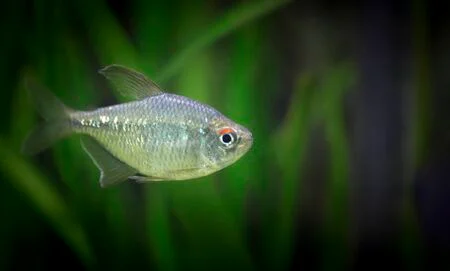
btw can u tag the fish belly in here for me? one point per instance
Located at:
(162, 151)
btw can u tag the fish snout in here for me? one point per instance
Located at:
(246, 138)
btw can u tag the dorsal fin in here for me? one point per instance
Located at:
(129, 82)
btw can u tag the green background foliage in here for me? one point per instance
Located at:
(227, 55)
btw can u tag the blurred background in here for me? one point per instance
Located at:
(348, 103)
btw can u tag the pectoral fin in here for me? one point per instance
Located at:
(180, 174)
(145, 179)
(176, 173)
(112, 170)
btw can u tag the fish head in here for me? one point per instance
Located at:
(227, 142)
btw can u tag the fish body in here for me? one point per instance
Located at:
(158, 136)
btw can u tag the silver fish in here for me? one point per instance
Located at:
(158, 136)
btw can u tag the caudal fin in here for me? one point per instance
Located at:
(55, 113)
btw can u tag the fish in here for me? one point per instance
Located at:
(156, 136)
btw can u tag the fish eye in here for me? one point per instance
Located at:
(227, 136)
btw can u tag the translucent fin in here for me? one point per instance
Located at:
(47, 104)
(145, 179)
(130, 83)
(112, 170)
(45, 135)
(56, 114)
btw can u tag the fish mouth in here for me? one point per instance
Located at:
(246, 140)
(249, 138)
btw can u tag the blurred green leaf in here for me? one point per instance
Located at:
(289, 148)
(27, 179)
(108, 38)
(153, 27)
(420, 144)
(335, 85)
(241, 14)
(22, 110)
(159, 229)
(422, 95)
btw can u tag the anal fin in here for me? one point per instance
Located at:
(112, 170)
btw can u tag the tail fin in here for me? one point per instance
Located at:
(55, 113)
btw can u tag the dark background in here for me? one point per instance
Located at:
(348, 103)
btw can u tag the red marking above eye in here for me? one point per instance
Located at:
(225, 131)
